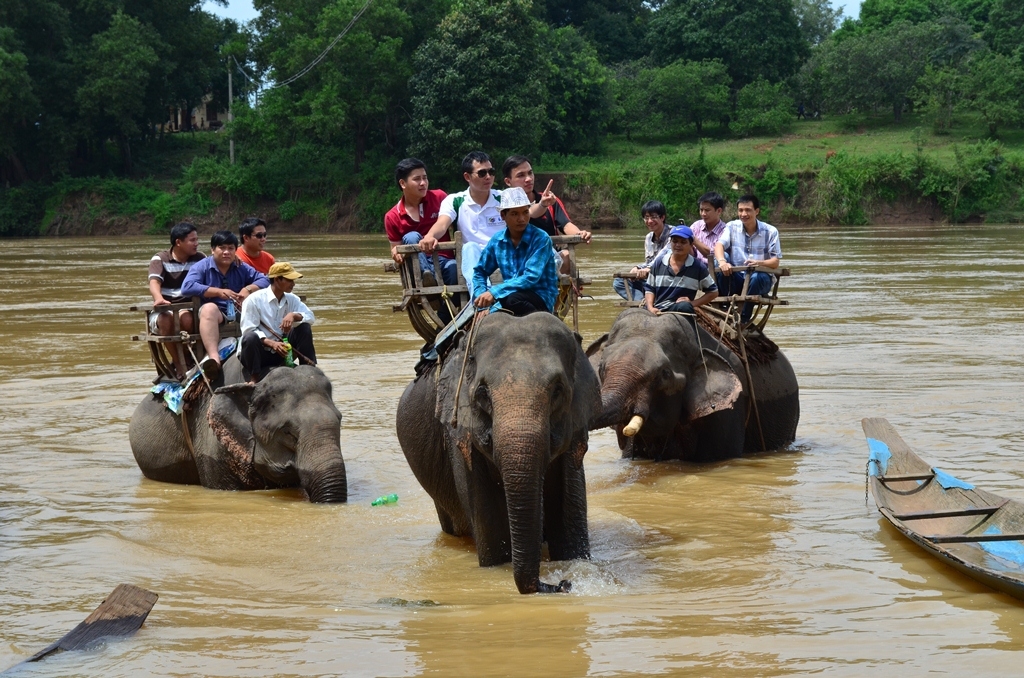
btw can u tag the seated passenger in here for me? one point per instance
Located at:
(653, 213)
(167, 271)
(708, 229)
(547, 212)
(411, 219)
(522, 252)
(747, 241)
(219, 279)
(674, 278)
(475, 212)
(270, 314)
(253, 233)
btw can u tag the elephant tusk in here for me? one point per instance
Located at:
(633, 427)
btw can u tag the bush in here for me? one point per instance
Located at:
(763, 108)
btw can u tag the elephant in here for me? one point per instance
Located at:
(496, 436)
(672, 392)
(284, 431)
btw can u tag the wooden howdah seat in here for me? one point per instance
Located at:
(164, 348)
(725, 310)
(424, 303)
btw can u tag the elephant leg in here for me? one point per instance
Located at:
(565, 511)
(488, 513)
(455, 525)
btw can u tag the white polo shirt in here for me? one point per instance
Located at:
(476, 223)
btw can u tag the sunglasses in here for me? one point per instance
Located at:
(261, 236)
(484, 173)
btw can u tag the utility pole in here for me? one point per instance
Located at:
(231, 117)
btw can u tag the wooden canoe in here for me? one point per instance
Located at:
(977, 532)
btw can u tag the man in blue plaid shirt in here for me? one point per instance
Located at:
(747, 241)
(524, 255)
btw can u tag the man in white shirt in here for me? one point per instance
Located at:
(269, 316)
(475, 212)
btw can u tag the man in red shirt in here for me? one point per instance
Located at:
(408, 221)
(253, 233)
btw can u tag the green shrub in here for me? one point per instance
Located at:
(763, 108)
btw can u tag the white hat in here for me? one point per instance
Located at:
(512, 198)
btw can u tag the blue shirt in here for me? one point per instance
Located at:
(667, 286)
(204, 274)
(530, 266)
(738, 246)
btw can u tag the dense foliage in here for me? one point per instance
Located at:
(86, 87)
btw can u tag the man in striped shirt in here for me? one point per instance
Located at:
(674, 278)
(167, 271)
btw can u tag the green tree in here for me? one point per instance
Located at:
(579, 94)
(633, 94)
(938, 94)
(17, 103)
(112, 95)
(818, 19)
(1005, 28)
(866, 72)
(472, 86)
(694, 92)
(995, 90)
(615, 27)
(763, 108)
(753, 38)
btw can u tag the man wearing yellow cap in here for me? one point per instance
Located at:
(270, 315)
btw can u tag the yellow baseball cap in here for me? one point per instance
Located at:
(283, 270)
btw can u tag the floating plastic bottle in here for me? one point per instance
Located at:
(386, 499)
(289, 359)
(230, 315)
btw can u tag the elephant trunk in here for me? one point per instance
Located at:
(521, 446)
(321, 467)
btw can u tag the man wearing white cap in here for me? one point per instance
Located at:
(523, 254)
(269, 316)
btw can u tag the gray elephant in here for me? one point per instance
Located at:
(497, 440)
(283, 432)
(673, 393)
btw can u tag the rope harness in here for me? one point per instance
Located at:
(462, 373)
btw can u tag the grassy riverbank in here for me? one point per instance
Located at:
(846, 170)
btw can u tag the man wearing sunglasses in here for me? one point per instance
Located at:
(475, 212)
(253, 233)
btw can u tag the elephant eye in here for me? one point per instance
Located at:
(483, 398)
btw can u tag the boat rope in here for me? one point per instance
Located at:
(462, 373)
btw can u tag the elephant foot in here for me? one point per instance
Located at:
(563, 586)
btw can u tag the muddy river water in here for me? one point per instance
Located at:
(766, 565)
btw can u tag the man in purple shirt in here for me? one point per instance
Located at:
(219, 279)
(708, 229)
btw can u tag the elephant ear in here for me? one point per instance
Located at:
(228, 417)
(596, 347)
(712, 387)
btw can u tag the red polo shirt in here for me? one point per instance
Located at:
(397, 222)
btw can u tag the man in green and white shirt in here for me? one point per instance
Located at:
(475, 212)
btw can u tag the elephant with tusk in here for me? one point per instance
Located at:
(284, 431)
(496, 436)
(671, 391)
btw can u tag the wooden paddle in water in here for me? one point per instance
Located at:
(121, 614)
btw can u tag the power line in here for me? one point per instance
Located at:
(323, 54)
